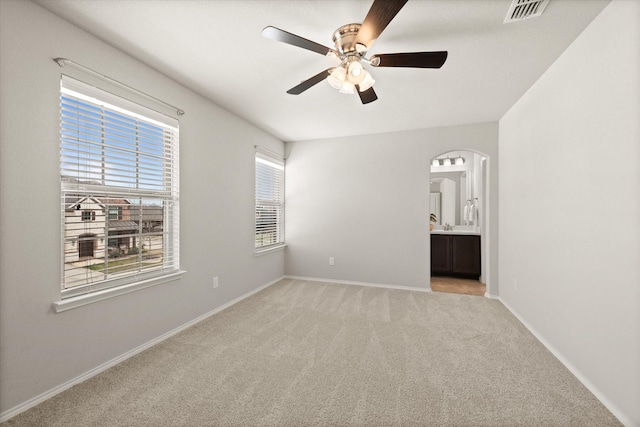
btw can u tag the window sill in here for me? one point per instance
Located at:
(259, 252)
(81, 300)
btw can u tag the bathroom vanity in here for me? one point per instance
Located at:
(455, 253)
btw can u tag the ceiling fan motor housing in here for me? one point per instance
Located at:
(344, 39)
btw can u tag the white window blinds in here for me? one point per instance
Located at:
(269, 229)
(119, 182)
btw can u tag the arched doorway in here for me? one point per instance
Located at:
(459, 207)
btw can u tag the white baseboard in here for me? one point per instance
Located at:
(491, 296)
(349, 282)
(10, 413)
(576, 372)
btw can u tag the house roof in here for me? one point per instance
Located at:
(122, 225)
(149, 212)
(114, 201)
(72, 201)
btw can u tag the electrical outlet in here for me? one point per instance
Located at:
(332, 261)
(515, 284)
(215, 282)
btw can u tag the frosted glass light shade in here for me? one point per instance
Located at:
(347, 87)
(345, 77)
(367, 82)
(356, 73)
(337, 77)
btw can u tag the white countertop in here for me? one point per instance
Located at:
(457, 232)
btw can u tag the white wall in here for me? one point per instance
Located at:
(570, 208)
(40, 349)
(365, 201)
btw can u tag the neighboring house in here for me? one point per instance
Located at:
(150, 219)
(89, 220)
(151, 216)
(84, 223)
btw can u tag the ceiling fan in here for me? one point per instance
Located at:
(352, 42)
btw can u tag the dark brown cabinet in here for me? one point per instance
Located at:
(455, 255)
(440, 254)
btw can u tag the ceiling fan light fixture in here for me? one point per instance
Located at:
(345, 78)
(367, 82)
(337, 77)
(356, 73)
(348, 88)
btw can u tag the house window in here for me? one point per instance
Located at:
(119, 164)
(114, 212)
(88, 216)
(269, 230)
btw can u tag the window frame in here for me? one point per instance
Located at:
(273, 186)
(168, 196)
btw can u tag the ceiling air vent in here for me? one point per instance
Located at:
(523, 9)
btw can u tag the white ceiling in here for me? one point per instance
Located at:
(215, 47)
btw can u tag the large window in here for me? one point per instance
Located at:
(269, 202)
(119, 181)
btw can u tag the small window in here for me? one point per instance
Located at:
(114, 212)
(88, 216)
(269, 226)
(119, 166)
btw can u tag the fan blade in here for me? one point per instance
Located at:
(410, 60)
(285, 37)
(377, 19)
(367, 96)
(297, 90)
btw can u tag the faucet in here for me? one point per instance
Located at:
(447, 227)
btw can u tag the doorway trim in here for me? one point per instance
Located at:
(485, 224)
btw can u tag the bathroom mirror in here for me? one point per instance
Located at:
(455, 184)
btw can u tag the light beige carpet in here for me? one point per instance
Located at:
(309, 353)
